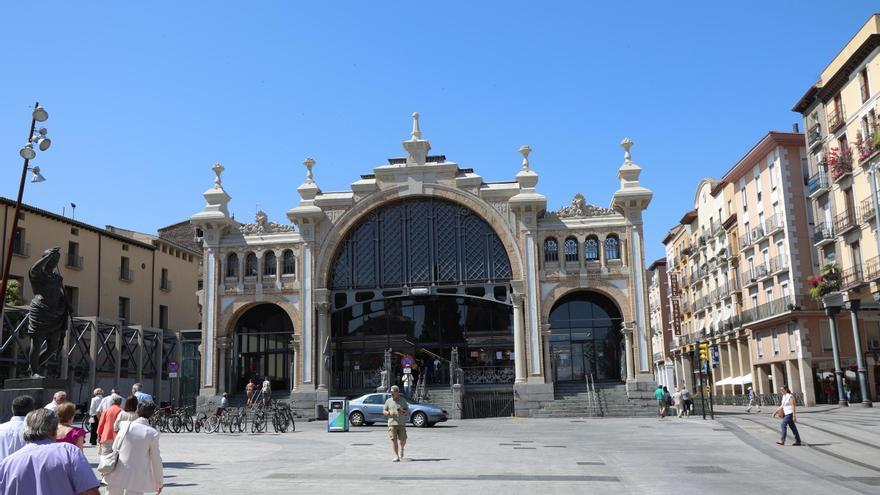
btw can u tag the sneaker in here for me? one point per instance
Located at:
(395, 459)
(401, 452)
(796, 444)
(780, 442)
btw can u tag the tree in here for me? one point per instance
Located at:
(13, 293)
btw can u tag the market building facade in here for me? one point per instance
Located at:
(424, 268)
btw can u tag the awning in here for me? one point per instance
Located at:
(737, 380)
(725, 381)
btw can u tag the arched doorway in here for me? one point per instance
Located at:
(585, 338)
(420, 276)
(261, 347)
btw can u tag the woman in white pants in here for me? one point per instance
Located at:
(139, 468)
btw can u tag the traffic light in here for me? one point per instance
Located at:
(704, 351)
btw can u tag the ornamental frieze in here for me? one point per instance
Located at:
(262, 225)
(579, 208)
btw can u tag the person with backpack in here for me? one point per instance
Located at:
(687, 400)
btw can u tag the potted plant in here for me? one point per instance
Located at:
(825, 283)
(840, 161)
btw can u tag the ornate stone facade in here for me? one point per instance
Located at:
(608, 260)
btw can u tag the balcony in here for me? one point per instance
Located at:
(851, 277)
(835, 120)
(165, 285)
(745, 241)
(814, 136)
(870, 148)
(773, 224)
(872, 269)
(21, 248)
(844, 222)
(778, 263)
(818, 184)
(840, 162)
(866, 210)
(74, 261)
(774, 308)
(823, 234)
(126, 275)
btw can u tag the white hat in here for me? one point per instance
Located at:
(750, 388)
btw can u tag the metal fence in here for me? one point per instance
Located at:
(743, 400)
(494, 404)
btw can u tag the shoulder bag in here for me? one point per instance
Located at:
(107, 462)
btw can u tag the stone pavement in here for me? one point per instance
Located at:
(734, 454)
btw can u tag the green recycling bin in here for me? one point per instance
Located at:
(337, 414)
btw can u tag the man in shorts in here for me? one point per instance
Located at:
(396, 409)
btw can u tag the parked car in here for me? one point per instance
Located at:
(367, 409)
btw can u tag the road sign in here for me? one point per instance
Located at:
(173, 367)
(407, 361)
(172, 375)
(716, 357)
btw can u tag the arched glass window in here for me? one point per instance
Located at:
(269, 264)
(612, 247)
(571, 249)
(288, 263)
(232, 265)
(551, 250)
(591, 248)
(250, 265)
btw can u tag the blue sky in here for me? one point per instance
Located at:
(145, 96)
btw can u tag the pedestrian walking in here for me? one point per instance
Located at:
(106, 433)
(137, 390)
(73, 435)
(107, 401)
(59, 398)
(97, 397)
(754, 400)
(787, 410)
(396, 410)
(266, 391)
(687, 400)
(44, 466)
(139, 466)
(677, 402)
(129, 412)
(10, 432)
(249, 390)
(661, 401)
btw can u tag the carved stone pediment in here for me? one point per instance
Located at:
(579, 208)
(262, 225)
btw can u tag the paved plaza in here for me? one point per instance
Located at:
(734, 454)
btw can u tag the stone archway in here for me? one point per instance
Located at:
(258, 346)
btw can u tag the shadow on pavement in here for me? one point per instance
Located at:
(185, 465)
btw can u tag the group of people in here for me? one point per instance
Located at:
(679, 403)
(265, 394)
(41, 452)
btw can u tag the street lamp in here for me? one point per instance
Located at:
(28, 153)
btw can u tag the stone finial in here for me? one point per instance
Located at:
(416, 132)
(524, 151)
(626, 144)
(309, 163)
(218, 169)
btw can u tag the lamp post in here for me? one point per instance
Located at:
(28, 153)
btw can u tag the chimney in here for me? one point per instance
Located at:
(795, 128)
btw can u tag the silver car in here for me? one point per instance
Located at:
(368, 409)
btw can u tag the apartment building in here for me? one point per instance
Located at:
(661, 327)
(743, 256)
(110, 273)
(840, 113)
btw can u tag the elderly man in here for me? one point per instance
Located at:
(396, 410)
(94, 405)
(10, 431)
(44, 466)
(59, 398)
(107, 401)
(137, 391)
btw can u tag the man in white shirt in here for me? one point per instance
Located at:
(11, 438)
(108, 401)
(59, 398)
(266, 391)
(97, 397)
(788, 411)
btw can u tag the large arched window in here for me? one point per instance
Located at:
(232, 265)
(571, 249)
(551, 250)
(612, 247)
(250, 265)
(269, 263)
(585, 337)
(591, 248)
(288, 262)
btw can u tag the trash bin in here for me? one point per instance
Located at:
(337, 414)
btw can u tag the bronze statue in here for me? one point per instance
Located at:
(50, 311)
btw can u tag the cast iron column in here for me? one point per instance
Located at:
(853, 307)
(832, 311)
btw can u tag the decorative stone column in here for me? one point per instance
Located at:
(279, 255)
(293, 345)
(545, 352)
(519, 344)
(260, 260)
(224, 344)
(832, 308)
(853, 307)
(627, 330)
(241, 256)
(323, 309)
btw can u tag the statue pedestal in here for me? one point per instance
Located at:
(41, 389)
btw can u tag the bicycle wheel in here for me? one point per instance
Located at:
(242, 422)
(188, 423)
(197, 425)
(255, 424)
(213, 424)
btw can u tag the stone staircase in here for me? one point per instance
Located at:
(440, 396)
(573, 401)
